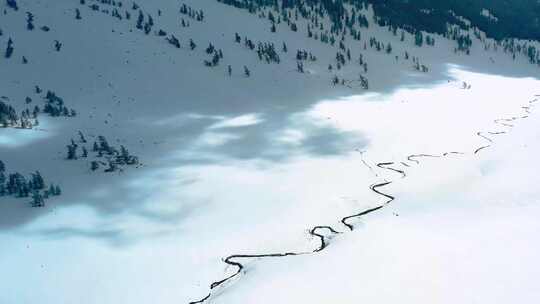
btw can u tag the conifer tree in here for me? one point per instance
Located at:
(72, 151)
(9, 49)
(57, 45)
(388, 48)
(174, 41)
(13, 4)
(37, 199)
(418, 38)
(57, 190)
(3, 190)
(29, 21)
(140, 21)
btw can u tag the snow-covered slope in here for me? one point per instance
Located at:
(232, 164)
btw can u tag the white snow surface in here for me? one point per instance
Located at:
(247, 165)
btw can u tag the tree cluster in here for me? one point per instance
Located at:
(9, 117)
(102, 154)
(197, 15)
(55, 106)
(16, 185)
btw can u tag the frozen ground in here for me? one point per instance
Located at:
(461, 230)
(249, 165)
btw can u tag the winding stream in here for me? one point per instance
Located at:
(234, 260)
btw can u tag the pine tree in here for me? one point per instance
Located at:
(51, 190)
(37, 200)
(3, 190)
(124, 154)
(38, 181)
(57, 190)
(418, 38)
(29, 21)
(215, 59)
(294, 28)
(72, 151)
(12, 4)
(140, 21)
(9, 49)
(335, 80)
(174, 41)
(300, 66)
(210, 49)
(94, 165)
(112, 167)
(364, 82)
(57, 45)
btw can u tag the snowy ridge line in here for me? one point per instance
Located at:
(232, 260)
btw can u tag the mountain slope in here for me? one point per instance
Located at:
(227, 164)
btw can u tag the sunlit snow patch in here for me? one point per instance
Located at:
(238, 121)
(214, 139)
(444, 116)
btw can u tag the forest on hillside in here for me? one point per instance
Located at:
(500, 19)
(516, 18)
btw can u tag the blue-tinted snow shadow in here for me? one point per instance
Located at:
(201, 133)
